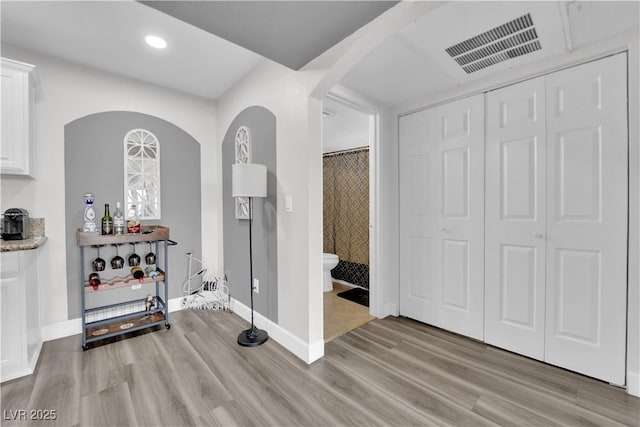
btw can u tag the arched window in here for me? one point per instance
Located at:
(243, 155)
(142, 173)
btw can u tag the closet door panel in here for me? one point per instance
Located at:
(455, 183)
(515, 218)
(578, 282)
(417, 216)
(518, 168)
(455, 277)
(587, 218)
(460, 216)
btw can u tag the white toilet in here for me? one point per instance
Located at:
(329, 261)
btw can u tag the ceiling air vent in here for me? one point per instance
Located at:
(510, 40)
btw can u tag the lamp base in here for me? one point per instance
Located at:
(252, 337)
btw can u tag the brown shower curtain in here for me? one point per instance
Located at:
(346, 213)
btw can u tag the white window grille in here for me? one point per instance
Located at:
(243, 155)
(142, 173)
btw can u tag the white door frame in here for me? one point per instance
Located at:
(353, 101)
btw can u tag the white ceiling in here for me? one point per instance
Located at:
(343, 127)
(109, 35)
(411, 65)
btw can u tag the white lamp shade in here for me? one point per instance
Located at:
(248, 180)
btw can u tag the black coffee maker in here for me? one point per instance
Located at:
(14, 224)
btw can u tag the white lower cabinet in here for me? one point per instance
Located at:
(555, 220)
(20, 313)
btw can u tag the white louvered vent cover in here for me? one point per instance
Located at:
(510, 40)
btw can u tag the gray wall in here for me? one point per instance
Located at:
(262, 124)
(94, 162)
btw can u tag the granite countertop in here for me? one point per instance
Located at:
(37, 238)
(21, 245)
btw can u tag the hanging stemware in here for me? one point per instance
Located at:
(134, 258)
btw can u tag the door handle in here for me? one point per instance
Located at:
(538, 235)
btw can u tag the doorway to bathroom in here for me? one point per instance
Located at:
(348, 136)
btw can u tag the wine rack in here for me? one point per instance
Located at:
(111, 320)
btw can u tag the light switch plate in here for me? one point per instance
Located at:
(288, 204)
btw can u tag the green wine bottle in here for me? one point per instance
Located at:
(107, 221)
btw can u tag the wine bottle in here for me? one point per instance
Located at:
(151, 272)
(137, 273)
(118, 220)
(133, 221)
(107, 221)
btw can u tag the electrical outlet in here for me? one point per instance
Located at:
(256, 286)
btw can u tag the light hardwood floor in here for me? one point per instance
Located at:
(389, 372)
(342, 315)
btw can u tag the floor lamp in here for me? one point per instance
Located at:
(250, 180)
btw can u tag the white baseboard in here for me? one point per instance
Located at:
(309, 353)
(16, 374)
(633, 383)
(389, 309)
(35, 357)
(62, 329)
(70, 327)
(175, 304)
(316, 351)
(25, 370)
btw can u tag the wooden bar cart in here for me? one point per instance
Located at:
(111, 320)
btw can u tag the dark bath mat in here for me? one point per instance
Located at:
(358, 295)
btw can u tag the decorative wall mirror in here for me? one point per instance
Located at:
(142, 173)
(243, 155)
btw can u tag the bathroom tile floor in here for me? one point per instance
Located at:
(341, 315)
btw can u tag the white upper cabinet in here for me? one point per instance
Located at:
(18, 94)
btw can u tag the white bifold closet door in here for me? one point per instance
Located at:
(587, 215)
(460, 216)
(515, 216)
(556, 218)
(442, 216)
(418, 152)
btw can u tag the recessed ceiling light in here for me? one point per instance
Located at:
(155, 41)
